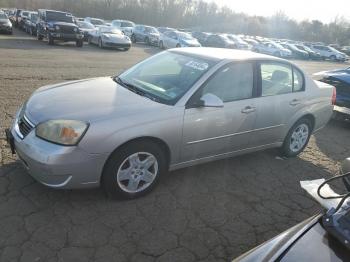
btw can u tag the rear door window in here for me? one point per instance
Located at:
(276, 79)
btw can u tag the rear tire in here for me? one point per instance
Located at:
(39, 36)
(133, 39)
(297, 138)
(118, 167)
(178, 45)
(333, 58)
(51, 40)
(79, 43)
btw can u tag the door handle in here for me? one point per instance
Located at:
(295, 102)
(248, 109)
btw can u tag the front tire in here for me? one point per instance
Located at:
(297, 138)
(79, 43)
(133, 170)
(100, 43)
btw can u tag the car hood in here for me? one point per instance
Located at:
(4, 20)
(86, 100)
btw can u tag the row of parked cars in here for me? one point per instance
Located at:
(56, 25)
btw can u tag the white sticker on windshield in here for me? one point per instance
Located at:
(197, 65)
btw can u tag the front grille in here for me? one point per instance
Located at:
(67, 29)
(24, 126)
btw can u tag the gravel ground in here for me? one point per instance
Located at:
(211, 212)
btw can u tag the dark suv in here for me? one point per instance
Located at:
(56, 25)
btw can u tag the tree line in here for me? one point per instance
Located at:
(197, 15)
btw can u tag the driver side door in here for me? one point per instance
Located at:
(210, 131)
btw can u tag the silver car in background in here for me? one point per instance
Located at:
(172, 39)
(109, 37)
(176, 109)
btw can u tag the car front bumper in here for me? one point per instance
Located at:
(67, 37)
(56, 166)
(117, 45)
(5, 28)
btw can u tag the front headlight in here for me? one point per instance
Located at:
(64, 132)
(57, 27)
(9, 24)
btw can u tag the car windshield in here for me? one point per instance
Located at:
(127, 24)
(333, 49)
(3, 16)
(110, 30)
(59, 16)
(185, 36)
(85, 25)
(151, 30)
(165, 77)
(96, 21)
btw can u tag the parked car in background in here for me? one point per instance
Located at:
(339, 78)
(272, 48)
(346, 50)
(30, 24)
(86, 28)
(171, 39)
(201, 37)
(14, 17)
(162, 30)
(178, 108)
(109, 37)
(329, 53)
(21, 19)
(57, 25)
(146, 34)
(220, 41)
(296, 52)
(5, 24)
(239, 43)
(312, 54)
(95, 21)
(124, 25)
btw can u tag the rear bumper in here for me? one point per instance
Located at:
(342, 110)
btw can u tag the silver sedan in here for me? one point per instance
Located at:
(175, 109)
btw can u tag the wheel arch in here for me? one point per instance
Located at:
(161, 143)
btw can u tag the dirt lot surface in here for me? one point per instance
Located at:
(211, 212)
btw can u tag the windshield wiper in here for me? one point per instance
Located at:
(134, 88)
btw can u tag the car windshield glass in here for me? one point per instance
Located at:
(85, 25)
(333, 49)
(59, 16)
(166, 77)
(95, 21)
(127, 24)
(110, 30)
(3, 16)
(185, 36)
(150, 30)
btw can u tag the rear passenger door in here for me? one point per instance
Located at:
(281, 90)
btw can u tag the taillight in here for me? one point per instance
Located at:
(334, 96)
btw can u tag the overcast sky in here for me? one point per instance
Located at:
(325, 11)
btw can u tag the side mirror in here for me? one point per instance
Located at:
(210, 100)
(345, 168)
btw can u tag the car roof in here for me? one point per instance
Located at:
(218, 54)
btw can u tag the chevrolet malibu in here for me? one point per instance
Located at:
(176, 109)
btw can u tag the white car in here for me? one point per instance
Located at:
(106, 36)
(95, 21)
(125, 26)
(240, 44)
(328, 52)
(171, 39)
(272, 48)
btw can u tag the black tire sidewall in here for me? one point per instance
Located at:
(109, 176)
(286, 145)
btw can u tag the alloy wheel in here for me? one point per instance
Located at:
(299, 138)
(137, 172)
